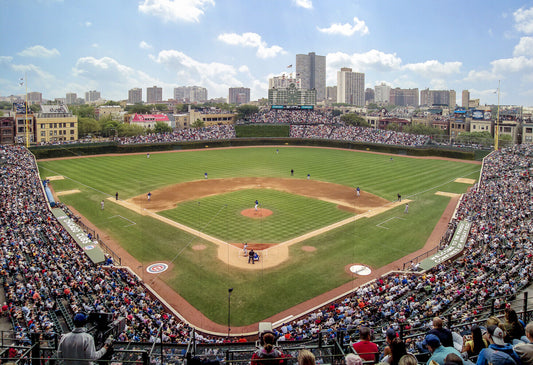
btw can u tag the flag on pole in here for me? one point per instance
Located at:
(290, 66)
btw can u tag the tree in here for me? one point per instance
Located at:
(83, 111)
(162, 127)
(130, 130)
(423, 129)
(109, 127)
(161, 107)
(393, 127)
(182, 108)
(354, 119)
(504, 140)
(198, 123)
(139, 109)
(36, 108)
(111, 103)
(88, 126)
(336, 112)
(245, 111)
(480, 138)
(372, 106)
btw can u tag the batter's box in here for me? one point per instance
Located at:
(132, 223)
(385, 221)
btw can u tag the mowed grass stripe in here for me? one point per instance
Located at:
(220, 216)
(202, 279)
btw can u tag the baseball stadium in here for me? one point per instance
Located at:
(194, 250)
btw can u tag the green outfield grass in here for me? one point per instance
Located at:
(202, 279)
(220, 216)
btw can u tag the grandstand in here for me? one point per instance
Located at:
(47, 277)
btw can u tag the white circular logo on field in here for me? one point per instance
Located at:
(360, 270)
(156, 268)
(88, 247)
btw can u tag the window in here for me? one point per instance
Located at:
(72, 131)
(529, 130)
(43, 134)
(507, 129)
(72, 125)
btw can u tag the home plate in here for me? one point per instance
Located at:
(360, 270)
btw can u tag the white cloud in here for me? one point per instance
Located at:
(107, 70)
(95, 45)
(508, 65)
(432, 68)
(144, 45)
(175, 10)
(5, 59)
(217, 77)
(39, 51)
(251, 40)
(524, 20)
(88, 24)
(376, 83)
(483, 75)
(438, 84)
(35, 74)
(306, 4)
(361, 62)
(524, 47)
(502, 69)
(346, 29)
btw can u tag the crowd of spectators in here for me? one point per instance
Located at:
(342, 132)
(277, 116)
(215, 132)
(496, 263)
(42, 265)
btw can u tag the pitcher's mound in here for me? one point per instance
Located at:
(257, 214)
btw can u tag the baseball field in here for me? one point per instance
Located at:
(307, 230)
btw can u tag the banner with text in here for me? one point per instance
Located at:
(455, 247)
(90, 247)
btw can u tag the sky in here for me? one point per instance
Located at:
(111, 46)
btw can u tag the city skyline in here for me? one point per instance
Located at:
(73, 47)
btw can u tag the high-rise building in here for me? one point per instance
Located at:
(311, 69)
(135, 95)
(284, 81)
(382, 94)
(35, 97)
(453, 99)
(369, 95)
(92, 96)
(465, 98)
(331, 94)
(190, 94)
(350, 87)
(404, 97)
(154, 94)
(438, 97)
(239, 95)
(72, 98)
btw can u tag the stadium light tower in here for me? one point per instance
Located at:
(229, 310)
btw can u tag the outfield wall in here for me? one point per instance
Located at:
(71, 150)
